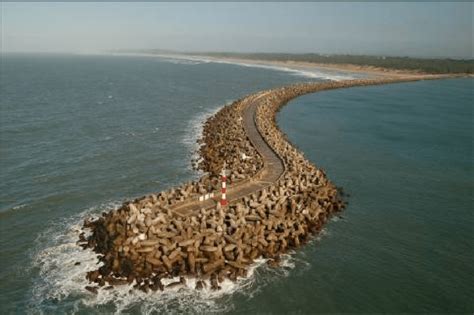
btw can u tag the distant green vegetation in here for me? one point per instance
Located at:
(396, 63)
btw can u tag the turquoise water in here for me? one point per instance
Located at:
(81, 134)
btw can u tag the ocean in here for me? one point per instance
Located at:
(80, 134)
(404, 154)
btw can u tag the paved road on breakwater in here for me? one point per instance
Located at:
(272, 170)
(273, 166)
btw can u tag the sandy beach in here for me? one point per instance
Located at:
(300, 65)
(335, 69)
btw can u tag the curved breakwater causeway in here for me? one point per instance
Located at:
(277, 199)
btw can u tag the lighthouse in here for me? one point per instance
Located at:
(223, 187)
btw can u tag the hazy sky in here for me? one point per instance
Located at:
(415, 29)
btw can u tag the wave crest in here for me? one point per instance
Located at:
(62, 266)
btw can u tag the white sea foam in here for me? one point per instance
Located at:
(304, 72)
(194, 132)
(62, 281)
(180, 61)
(20, 206)
(314, 73)
(56, 254)
(308, 73)
(62, 266)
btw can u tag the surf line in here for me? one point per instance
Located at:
(276, 201)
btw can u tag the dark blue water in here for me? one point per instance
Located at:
(80, 134)
(404, 153)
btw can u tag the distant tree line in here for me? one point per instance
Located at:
(397, 63)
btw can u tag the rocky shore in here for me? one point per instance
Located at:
(224, 140)
(146, 242)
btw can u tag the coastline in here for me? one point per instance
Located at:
(335, 69)
(306, 65)
(300, 65)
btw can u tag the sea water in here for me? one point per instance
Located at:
(404, 154)
(81, 134)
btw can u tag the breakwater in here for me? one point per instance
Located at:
(147, 239)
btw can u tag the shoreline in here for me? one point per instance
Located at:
(335, 69)
(301, 65)
(271, 210)
(304, 68)
(306, 65)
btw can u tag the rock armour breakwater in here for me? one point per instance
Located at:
(280, 200)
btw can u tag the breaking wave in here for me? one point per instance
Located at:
(62, 266)
(194, 132)
(181, 61)
(314, 73)
(308, 73)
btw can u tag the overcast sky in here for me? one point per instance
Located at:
(414, 29)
